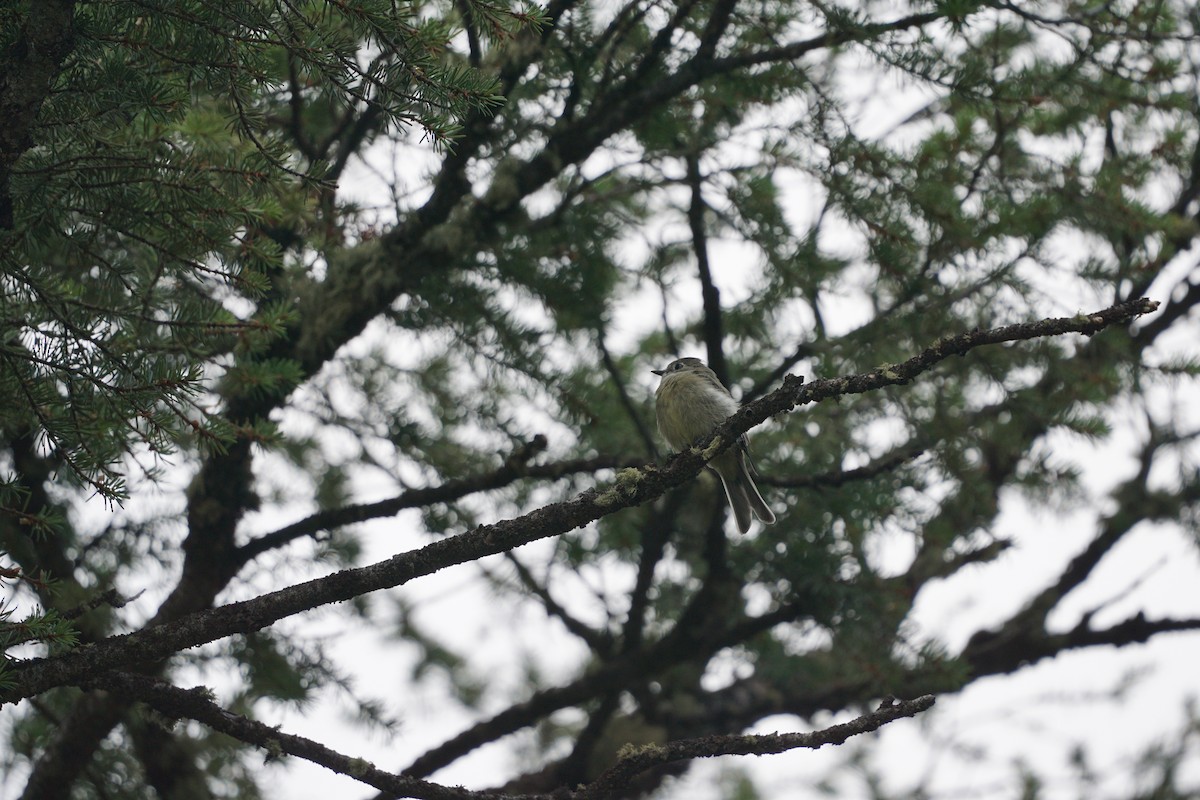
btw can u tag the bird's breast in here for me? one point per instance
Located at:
(688, 407)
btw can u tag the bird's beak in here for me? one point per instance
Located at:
(658, 371)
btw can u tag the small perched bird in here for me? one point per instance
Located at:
(691, 402)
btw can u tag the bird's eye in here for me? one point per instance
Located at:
(677, 366)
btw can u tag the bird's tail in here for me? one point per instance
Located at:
(753, 498)
(743, 495)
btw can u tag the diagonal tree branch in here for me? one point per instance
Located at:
(618, 383)
(1024, 638)
(909, 451)
(618, 776)
(600, 641)
(834, 38)
(196, 704)
(632, 487)
(510, 472)
(685, 641)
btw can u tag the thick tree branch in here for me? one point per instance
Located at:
(714, 29)
(632, 487)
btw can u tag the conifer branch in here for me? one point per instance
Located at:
(632, 487)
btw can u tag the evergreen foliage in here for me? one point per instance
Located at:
(326, 263)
